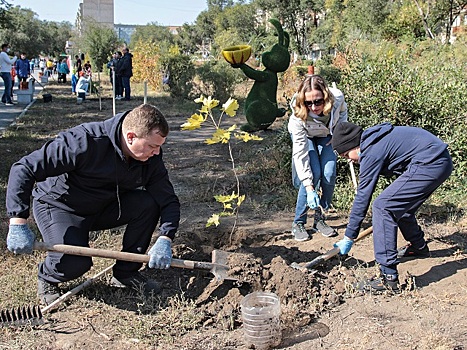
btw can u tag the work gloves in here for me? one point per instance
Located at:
(20, 239)
(312, 199)
(344, 245)
(160, 255)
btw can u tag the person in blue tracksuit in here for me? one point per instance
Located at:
(23, 69)
(96, 176)
(421, 163)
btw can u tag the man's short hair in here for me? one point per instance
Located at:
(144, 119)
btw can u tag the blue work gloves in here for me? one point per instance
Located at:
(344, 245)
(20, 239)
(312, 199)
(160, 255)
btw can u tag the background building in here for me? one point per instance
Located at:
(101, 11)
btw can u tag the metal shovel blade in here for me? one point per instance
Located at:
(220, 265)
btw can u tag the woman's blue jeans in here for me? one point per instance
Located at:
(323, 167)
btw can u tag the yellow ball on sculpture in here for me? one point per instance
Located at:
(237, 54)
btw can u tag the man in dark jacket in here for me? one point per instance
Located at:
(96, 176)
(125, 71)
(420, 161)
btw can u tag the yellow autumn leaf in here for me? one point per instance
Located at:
(194, 122)
(208, 103)
(225, 198)
(199, 99)
(245, 137)
(213, 220)
(240, 200)
(220, 135)
(204, 109)
(230, 107)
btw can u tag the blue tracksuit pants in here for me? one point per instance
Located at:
(396, 206)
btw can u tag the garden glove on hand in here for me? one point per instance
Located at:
(344, 245)
(312, 199)
(160, 255)
(20, 239)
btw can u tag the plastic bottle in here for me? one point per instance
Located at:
(261, 320)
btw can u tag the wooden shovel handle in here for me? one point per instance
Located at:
(111, 254)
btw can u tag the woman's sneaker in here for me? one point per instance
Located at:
(320, 225)
(325, 229)
(299, 232)
(409, 251)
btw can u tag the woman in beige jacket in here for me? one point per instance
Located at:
(316, 111)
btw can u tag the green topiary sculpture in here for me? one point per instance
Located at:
(261, 103)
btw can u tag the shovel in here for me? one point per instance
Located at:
(33, 315)
(218, 267)
(307, 267)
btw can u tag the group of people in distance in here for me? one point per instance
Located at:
(105, 174)
(120, 71)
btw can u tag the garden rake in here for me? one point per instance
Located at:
(34, 315)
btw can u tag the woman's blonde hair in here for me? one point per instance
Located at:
(312, 82)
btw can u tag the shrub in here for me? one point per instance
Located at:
(217, 77)
(181, 73)
(420, 84)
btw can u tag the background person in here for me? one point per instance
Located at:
(63, 71)
(83, 85)
(118, 77)
(5, 71)
(317, 109)
(420, 161)
(49, 67)
(23, 69)
(96, 176)
(125, 71)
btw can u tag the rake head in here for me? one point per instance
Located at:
(21, 316)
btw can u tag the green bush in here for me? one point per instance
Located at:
(330, 73)
(422, 84)
(182, 72)
(217, 78)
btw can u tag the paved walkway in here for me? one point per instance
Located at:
(8, 114)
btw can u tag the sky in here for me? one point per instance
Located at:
(164, 12)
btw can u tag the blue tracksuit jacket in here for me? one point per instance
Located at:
(388, 150)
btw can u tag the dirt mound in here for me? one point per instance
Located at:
(303, 295)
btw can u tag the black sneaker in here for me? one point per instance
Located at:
(380, 284)
(409, 251)
(299, 232)
(137, 282)
(47, 292)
